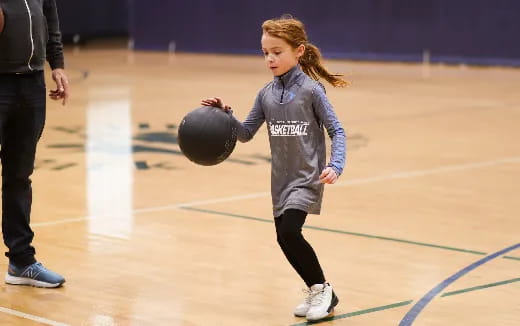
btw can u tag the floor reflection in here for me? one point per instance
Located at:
(109, 163)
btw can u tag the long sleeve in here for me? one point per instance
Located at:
(255, 119)
(54, 44)
(326, 115)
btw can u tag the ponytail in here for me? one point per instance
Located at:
(310, 62)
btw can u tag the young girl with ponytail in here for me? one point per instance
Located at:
(296, 110)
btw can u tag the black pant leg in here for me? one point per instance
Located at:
(21, 132)
(285, 248)
(297, 248)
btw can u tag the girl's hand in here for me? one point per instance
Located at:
(215, 102)
(328, 175)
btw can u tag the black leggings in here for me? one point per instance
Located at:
(295, 248)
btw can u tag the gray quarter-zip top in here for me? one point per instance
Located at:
(296, 111)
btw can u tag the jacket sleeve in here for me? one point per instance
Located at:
(326, 115)
(247, 129)
(54, 44)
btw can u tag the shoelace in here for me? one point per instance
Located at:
(308, 295)
(317, 297)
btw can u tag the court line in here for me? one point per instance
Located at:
(357, 313)
(154, 209)
(357, 234)
(420, 173)
(396, 175)
(480, 287)
(364, 235)
(511, 257)
(420, 115)
(412, 314)
(31, 317)
(64, 221)
(404, 303)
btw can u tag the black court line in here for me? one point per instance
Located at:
(370, 236)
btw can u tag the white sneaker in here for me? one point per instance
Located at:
(302, 308)
(323, 301)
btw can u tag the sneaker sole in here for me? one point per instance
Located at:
(302, 312)
(334, 302)
(14, 280)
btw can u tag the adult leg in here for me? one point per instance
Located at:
(21, 133)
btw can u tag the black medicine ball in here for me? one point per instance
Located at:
(207, 135)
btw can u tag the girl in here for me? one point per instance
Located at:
(296, 110)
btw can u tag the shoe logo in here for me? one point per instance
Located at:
(29, 273)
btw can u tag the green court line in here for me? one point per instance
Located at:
(359, 312)
(396, 240)
(343, 232)
(405, 303)
(509, 257)
(380, 308)
(480, 287)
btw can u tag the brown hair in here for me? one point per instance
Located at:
(292, 31)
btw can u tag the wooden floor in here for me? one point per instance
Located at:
(428, 201)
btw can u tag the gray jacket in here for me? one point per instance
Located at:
(296, 109)
(31, 34)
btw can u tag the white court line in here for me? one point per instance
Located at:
(31, 317)
(156, 208)
(203, 202)
(67, 220)
(396, 175)
(419, 173)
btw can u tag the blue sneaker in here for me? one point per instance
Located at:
(35, 275)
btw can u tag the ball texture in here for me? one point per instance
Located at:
(207, 135)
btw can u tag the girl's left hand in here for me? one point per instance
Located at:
(215, 102)
(328, 175)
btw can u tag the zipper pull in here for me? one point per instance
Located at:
(283, 90)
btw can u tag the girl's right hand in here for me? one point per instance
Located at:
(215, 102)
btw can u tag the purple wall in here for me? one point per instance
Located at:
(468, 31)
(93, 18)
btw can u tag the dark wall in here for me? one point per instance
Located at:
(93, 18)
(469, 31)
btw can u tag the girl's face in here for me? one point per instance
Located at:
(279, 56)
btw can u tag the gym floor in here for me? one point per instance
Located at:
(422, 228)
